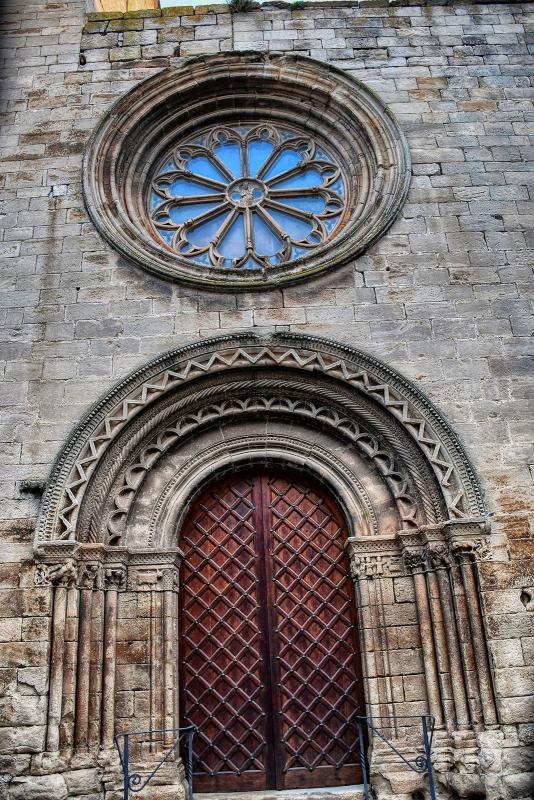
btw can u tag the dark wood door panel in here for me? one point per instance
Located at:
(221, 655)
(317, 662)
(268, 650)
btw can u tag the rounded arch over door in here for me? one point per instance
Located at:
(128, 475)
(369, 408)
(268, 649)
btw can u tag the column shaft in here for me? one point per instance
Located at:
(108, 678)
(455, 660)
(427, 646)
(56, 668)
(170, 687)
(478, 635)
(81, 729)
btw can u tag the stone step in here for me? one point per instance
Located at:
(324, 793)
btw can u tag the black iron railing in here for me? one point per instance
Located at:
(133, 781)
(421, 763)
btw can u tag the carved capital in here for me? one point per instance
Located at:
(152, 578)
(414, 560)
(170, 580)
(56, 575)
(90, 576)
(470, 551)
(438, 557)
(115, 578)
(374, 566)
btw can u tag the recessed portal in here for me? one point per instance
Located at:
(270, 668)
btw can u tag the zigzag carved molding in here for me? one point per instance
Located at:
(402, 400)
(364, 440)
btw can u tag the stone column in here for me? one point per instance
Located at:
(373, 565)
(440, 562)
(61, 577)
(89, 580)
(153, 587)
(170, 648)
(415, 563)
(465, 554)
(114, 579)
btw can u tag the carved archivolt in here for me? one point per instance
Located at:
(182, 370)
(164, 440)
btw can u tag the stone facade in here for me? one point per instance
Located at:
(441, 567)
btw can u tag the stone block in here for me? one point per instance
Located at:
(515, 682)
(43, 787)
(519, 786)
(83, 781)
(24, 654)
(23, 710)
(35, 679)
(10, 630)
(22, 740)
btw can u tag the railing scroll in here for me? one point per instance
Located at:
(134, 782)
(421, 764)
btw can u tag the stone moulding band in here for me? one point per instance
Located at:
(322, 101)
(237, 407)
(357, 371)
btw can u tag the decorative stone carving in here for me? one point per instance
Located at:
(64, 574)
(115, 578)
(186, 425)
(90, 576)
(414, 561)
(372, 566)
(363, 374)
(367, 149)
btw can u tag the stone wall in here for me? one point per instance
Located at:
(444, 297)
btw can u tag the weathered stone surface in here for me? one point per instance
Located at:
(445, 297)
(83, 782)
(21, 740)
(38, 788)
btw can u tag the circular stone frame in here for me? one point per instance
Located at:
(223, 89)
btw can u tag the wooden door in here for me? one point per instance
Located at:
(270, 670)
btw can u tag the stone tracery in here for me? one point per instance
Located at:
(246, 197)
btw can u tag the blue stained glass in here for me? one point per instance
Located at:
(233, 243)
(298, 229)
(266, 241)
(312, 203)
(179, 222)
(337, 187)
(183, 187)
(330, 223)
(183, 213)
(201, 235)
(307, 178)
(259, 151)
(155, 200)
(229, 154)
(283, 162)
(167, 235)
(298, 252)
(200, 165)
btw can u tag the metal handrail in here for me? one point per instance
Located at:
(135, 782)
(421, 764)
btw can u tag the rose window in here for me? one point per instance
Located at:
(246, 197)
(245, 171)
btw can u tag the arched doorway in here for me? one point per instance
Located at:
(270, 668)
(123, 486)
